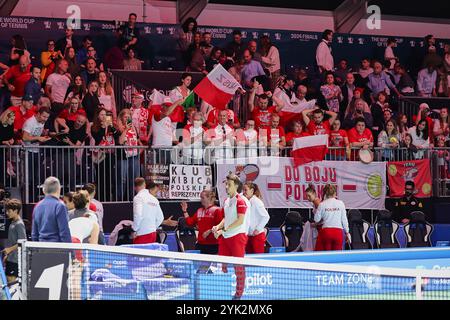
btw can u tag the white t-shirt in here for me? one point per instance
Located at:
(34, 129)
(59, 85)
(162, 132)
(333, 214)
(232, 207)
(388, 55)
(81, 228)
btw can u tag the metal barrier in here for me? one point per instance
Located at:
(410, 105)
(113, 169)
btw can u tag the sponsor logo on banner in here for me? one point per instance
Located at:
(359, 185)
(187, 182)
(47, 24)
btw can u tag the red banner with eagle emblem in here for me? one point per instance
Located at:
(417, 171)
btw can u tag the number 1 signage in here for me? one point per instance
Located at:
(49, 274)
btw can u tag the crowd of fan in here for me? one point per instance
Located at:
(68, 100)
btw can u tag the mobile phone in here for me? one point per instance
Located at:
(129, 121)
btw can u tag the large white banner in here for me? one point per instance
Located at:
(187, 182)
(359, 185)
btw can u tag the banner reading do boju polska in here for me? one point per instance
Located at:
(359, 185)
(187, 182)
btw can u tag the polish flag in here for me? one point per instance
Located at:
(273, 183)
(292, 107)
(158, 99)
(217, 88)
(310, 148)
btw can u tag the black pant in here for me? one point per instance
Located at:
(207, 248)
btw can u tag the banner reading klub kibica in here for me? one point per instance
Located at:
(187, 182)
(360, 186)
(417, 171)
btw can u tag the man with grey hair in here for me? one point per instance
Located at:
(50, 216)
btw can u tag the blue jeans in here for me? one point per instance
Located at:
(130, 170)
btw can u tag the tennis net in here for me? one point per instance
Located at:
(140, 272)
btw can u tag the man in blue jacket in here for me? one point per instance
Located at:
(50, 216)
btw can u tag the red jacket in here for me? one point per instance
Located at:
(205, 219)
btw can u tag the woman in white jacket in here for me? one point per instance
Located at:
(334, 217)
(257, 220)
(421, 137)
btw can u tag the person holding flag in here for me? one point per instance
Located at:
(182, 92)
(232, 230)
(262, 112)
(218, 87)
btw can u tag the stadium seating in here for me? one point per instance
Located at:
(418, 231)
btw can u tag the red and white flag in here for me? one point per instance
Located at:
(217, 88)
(292, 107)
(310, 148)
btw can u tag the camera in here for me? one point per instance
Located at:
(4, 194)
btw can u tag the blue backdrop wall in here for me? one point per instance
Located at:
(157, 41)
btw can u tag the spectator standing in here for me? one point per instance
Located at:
(270, 58)
(442, 82)
(253, 47)
(206, 40)
(222, 137)
(6, 139)
(409, 150)
(67, 42)
(129, 157)
(331, 92)
(405, 84)
(432, 58)
(57, 85)
(91, 101)
(364, 71)
(19, 49)
(358, 109)
(16, 78)
(74, 69)
(131, 62)
(22, 112)
(34, 86)
(324, 58)
(104, 135)
(318, 125)
(140, 116)
(106, 95)
(250, 70)
(341, 72)
(420, 137)
(338, 139)
(389, 139)
(360, 137)
(347, 90)
(91, 72)
(426, 82)
(185, 37)
(213, 59)
(237, 46)
(77, 89)
(129, 33)
(442, 125)
(273, 136)
(50, 217)
(262, 112)
(389, 53)
(380, 81)
(247, 141)
(193, 136)
(49, 60)
(83, 51)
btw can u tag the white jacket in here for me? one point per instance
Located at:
(324, 57)
(333, 214)
(272, 60)
(258, 216)
(147, 214)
